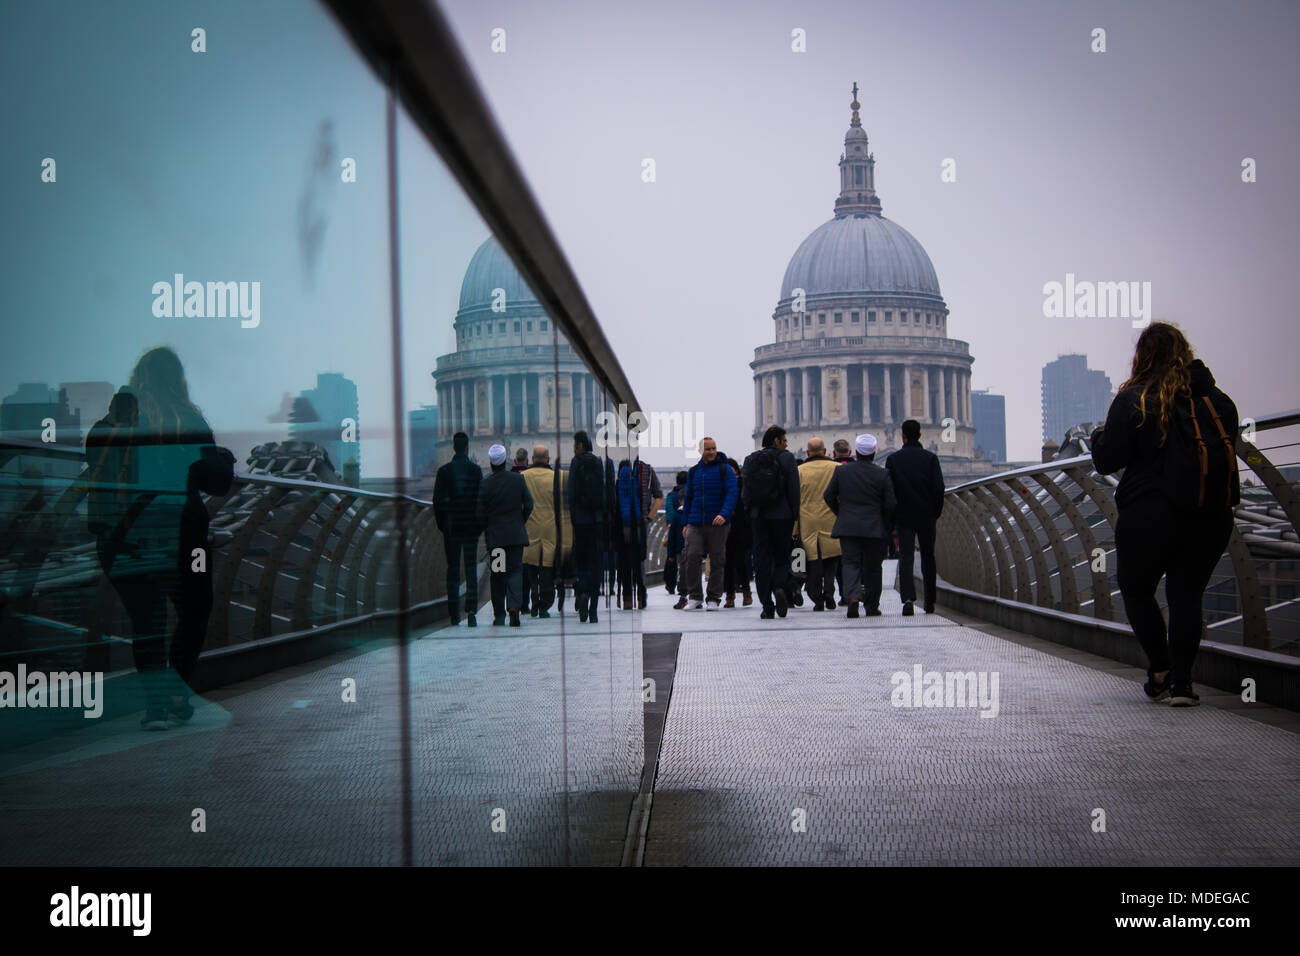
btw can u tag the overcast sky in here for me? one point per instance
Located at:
(1115, 166)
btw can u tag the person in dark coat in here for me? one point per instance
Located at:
(675, 544)
(586, 497)
(771, 497)
(918, 486)
(740, 567)
(504, 505)
(1168, 524)
(862, 497)
(455, 505)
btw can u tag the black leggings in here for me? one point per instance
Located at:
(1152, 538)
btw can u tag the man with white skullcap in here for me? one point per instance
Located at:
(862, 497)
(504, 505)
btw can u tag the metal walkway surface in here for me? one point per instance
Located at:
(783, 745)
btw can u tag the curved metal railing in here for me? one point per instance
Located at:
(1045, 535)
(286, 555)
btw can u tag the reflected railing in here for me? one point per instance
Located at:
(1045, 535)
(287, 556)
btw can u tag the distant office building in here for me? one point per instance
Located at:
(422, 426)
(326, 415)
(1072, 395)
(30, 410)
(990, 414)
(89, 400)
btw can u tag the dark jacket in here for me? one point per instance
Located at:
(918, 485)
(1123, 443)
(581, 515)
(862, 497)
(711, 490)
(504, 504)
(455, 498)
(786, 506)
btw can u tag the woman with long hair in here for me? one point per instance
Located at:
(1174, 434)
(168, 442)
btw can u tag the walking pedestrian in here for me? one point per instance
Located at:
(639, 497)
(918, 485)
(550, 533)
(455, 503)
(822, 552)
(739, 568)
(504, 505)
(710, 500)
(862, 498)
(585, 496)
(1174, 433)
(675, 543)
(771, 499)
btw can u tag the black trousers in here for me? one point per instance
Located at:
(738, 572)
(1151, 539)
(862, 559)
(771, 556)
(539, 587)
(508, 585)
(821, 579)
(461, 550)
(587, 563)
(631, 561)
(908, 538)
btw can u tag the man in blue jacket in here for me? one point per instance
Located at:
(709, 501)
(770, 478)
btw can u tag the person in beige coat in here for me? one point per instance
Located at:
(815, 522)
(544, 556)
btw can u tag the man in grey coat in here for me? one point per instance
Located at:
(504, 505)
(862, 497)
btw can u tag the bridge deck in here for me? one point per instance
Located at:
(765, 718)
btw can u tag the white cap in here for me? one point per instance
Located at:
(866, 444)
(497, 454)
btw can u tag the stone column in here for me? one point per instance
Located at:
(809, 406)
(788, 411)
(887, 399)
(758, 399)
(866, 392)
(943, 384)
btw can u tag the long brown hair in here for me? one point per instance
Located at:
(1160, 368)
(158, 382)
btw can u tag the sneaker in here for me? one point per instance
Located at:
(713, 605)
(695, 605)
(1183, 696)
(154, 720)
(907, 609)
(1157, 691)
(781, 605)
(853, 609)
(681, 603)
(767, 615)
(180, 709)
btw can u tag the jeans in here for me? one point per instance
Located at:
(907, 539)
(771, 556)
(701, 538)
(1153, 538)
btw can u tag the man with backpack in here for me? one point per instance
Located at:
(771, 497)
(586, 496)
(1174, 433)
(918, 486)
(709, 501)
(639, 497)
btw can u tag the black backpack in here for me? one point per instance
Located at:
(1201, 455)
(587, 476)
(766, 481)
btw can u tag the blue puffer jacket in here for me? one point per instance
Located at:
(629, 501)
(710, 491)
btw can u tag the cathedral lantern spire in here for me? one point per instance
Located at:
(857, 170)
